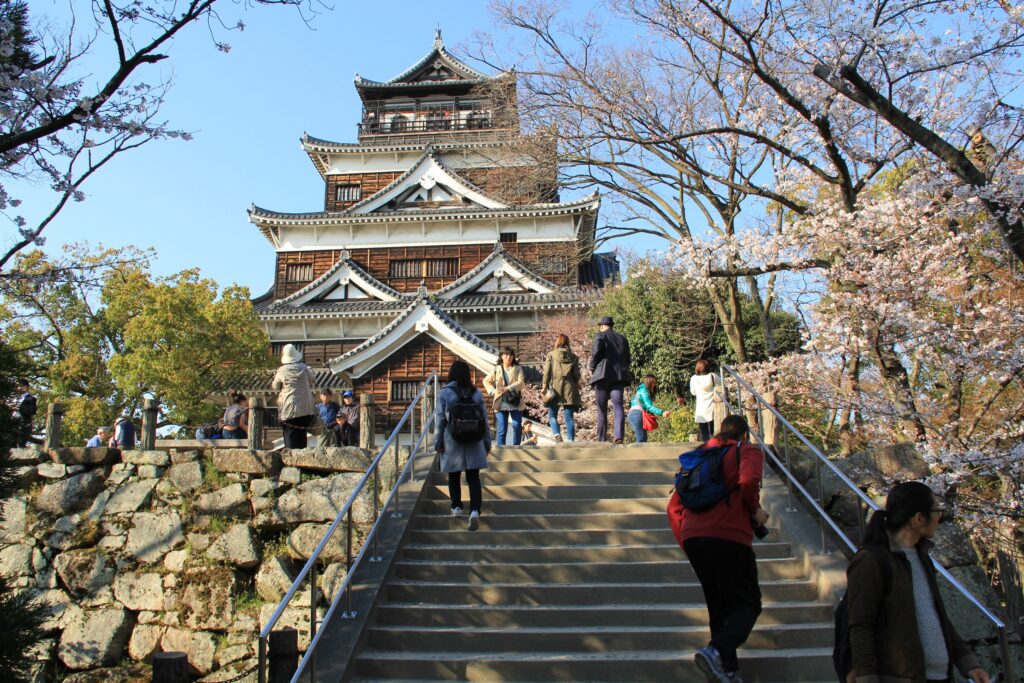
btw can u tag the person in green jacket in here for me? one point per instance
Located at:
(643, 400)
(561, 378)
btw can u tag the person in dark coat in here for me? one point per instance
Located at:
(609, 367)
(24, 411)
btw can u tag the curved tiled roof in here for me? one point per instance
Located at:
(499, 252)
(355, 267)
(438, 52)
(357, 309)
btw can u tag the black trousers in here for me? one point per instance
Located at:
(476, 495)
(727, 572)
(704, 431)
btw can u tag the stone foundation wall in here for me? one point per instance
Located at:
(138, 552)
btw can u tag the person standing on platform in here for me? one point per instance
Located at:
(295, 383)
(24, 413)
(610, 373)
(348, 420)
(719, 545)
(328, 409)
(505, 385)
(560, 382)
(704, 385)
(124, 433)
(100, 439)
(463, 439)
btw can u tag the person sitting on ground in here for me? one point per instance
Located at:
(529, 438)
(899, 630)
(328, 409)
(99, 439)
(236, 417)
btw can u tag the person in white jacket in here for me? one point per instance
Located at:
(704, 385)
(295, 384)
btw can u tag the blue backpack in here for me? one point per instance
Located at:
(699, 481)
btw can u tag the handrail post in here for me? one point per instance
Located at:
(261, 660)
(376, 507)
(790, 505)
(349, 614)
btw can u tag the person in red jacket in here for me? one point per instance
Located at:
(719, 544)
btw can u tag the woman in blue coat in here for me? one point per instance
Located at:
(457, 456)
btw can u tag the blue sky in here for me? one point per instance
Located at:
(247, 111)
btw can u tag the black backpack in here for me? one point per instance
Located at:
(842, 654)
(467, 422)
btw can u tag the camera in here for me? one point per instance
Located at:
(761, 531)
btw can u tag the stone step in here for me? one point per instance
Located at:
(554, 480)
(620, 521)
(600, 593)
(454, 532)
(562, 572)
(438, 504)
(624, 612)
(591, 451)
(763, 666)
(580, 637)
(526, 554)
(659, 464)
(577, 492)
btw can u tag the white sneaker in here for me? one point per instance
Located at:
(456, 512)
(474, 520)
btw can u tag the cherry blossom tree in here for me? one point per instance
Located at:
(58, 126)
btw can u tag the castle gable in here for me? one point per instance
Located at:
(499, 273)
(345, 281)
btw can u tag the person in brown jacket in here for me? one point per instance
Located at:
(902, 635)
(560, 384)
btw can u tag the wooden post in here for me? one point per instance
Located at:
(425, 412)
(170, 667)
(284, 655)
(54, 418)
(149, 416)
(367, 422)
(257, 411)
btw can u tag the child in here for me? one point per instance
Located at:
(529, 438)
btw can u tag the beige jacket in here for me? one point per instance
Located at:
(496, 379)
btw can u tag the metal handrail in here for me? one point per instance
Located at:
(862, 498)
(309, 569)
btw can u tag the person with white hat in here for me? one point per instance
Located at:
(295, 384)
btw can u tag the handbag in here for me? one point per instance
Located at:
(550, 395)
(512, 397)
(649, 420)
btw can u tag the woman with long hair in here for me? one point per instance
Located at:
(560, 382)
(703, 386)
(899, 630)
(719, 544)
(505, 386)
(643, 400)
(458, 455)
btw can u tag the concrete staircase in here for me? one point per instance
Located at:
(575, 576)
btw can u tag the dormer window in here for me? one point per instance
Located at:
(348, 193)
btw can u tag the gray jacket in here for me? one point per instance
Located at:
(295, 383)
(455, 456)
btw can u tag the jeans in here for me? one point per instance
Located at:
(704, 430)
(475, 490)
(570, 425)
(237, 433)
(502, 417)
(636, 421)
(602, 392)
(728, 575)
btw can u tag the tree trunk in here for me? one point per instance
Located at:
(851, 382)
(729, 317)
(897, 388)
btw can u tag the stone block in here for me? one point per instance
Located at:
(245, 461)
(292, 617)
(85, 456)
(15, 561)
(13, 519)
(153, 535)
(95, 638)
(186, 476)
(273, 579)
(321, 499)
(206, 598)
(140, 591)
(198, 646)
(305, 538)
(182, 456)
(158, 458)
(51, 470)
(70, 495)
(145, 641)
(340, 459)
(174, 561)
(237, 546)
(55, 602)
(130, 497)
(290, 475)
(150, 472)
(230, 501)
(24, 456)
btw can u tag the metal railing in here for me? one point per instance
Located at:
(825, 521)
(344, 592)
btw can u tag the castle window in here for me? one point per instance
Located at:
(348, 193)
(508, 237)
(420, 268)
(404, 391)
(405, 268)
(440, 267)
(298, 272)
(553, 264)
(477, 120)
(399, 123)
(437, 120)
